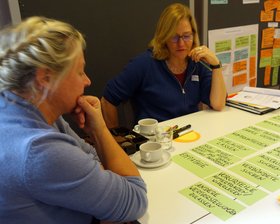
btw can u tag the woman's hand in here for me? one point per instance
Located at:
(203, 53)
(88, 114)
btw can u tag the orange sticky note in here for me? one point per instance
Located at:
(277, 16)
(266, 53)
(268, 37)
(252, 72)
(253, 82)
(266, 16)
(267, 72)
(239, 66)
(276, 43)
(239, 79)
(270, 5)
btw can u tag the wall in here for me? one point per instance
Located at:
(5, 17)
(115, 31)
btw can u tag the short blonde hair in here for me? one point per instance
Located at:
(166, 28)
(36, 42)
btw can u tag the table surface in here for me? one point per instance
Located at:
(168, 206)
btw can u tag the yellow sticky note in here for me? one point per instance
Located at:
(189, 137)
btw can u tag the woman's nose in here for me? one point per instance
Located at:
(87, 80)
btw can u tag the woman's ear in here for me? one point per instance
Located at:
(43, 78)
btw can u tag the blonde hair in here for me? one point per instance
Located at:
(36, 42)
(166, 28)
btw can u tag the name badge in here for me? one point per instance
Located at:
(195, 78)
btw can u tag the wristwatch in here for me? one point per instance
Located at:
(216, 66)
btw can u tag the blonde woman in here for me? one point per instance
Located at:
(172, 77)
(48, 174)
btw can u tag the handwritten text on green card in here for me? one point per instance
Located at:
(213, 201)
(216, 155)
(254, 137)
(275, 152)
(224, 45)
(267, 162)
(237, 188)
(258, 175)
(195, 164)
(270, 125)
(232, 147)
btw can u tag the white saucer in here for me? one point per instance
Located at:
(166, 156)
(150, 137)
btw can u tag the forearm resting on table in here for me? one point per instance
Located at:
(110, 113)
(112, 156)
(218, 90)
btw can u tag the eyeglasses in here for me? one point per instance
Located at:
(184, 37)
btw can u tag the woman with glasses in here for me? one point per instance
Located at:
(172, 77)
(48, 174)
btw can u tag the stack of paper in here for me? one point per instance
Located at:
(255, 100)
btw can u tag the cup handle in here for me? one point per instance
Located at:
(136, 128)
(147, 156)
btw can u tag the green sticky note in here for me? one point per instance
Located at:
(268, 124)
(275, 118)
(224, 45)
(254, 137)
(232, 147)
(221, 206)
(265, 61)
(195, 165)
(241, 42)
(267, 162)
(274, 77)
(237, 188)
(257, 175)
(253, 45)
(276, 52)
(275, 62)
(264, 136)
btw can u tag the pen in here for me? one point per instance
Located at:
(179, 131)
(205, 65)
(182, 133)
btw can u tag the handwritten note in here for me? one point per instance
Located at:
(212, 200)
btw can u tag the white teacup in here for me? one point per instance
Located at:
(146, 126)
(151, 151)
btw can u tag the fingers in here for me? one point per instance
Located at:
(203, 53)
(81, 120)
(88, 103)
(198, 53)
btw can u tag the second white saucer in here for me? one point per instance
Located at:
(139, 162)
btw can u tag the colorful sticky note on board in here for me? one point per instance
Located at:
(266, 16)
(267, 37)
(267, 75)
(274, 78)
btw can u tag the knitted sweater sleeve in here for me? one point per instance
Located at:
(57, 172)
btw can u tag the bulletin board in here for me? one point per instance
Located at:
(235, 14)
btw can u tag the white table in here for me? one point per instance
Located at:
(168, 206)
